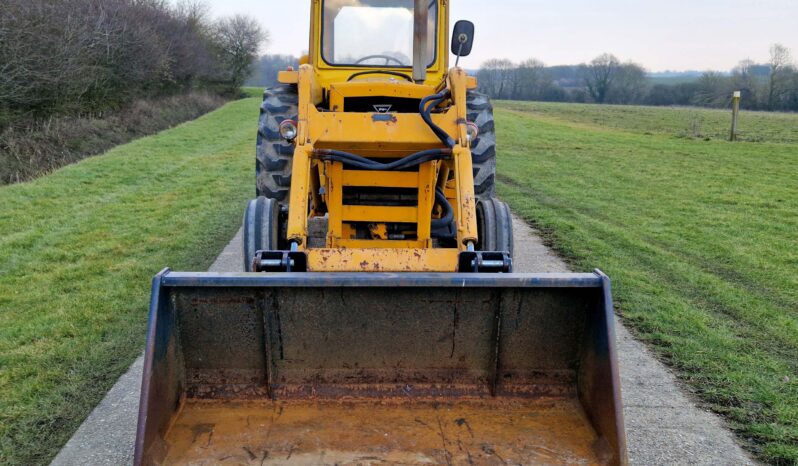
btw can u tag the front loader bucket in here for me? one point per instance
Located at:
(316, 369)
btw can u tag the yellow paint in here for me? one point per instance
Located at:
(401, 258)
(298, 213)
(427, 180)
(379, 231)
(380, 179)
(403, 132)
(335, 200)
(379, 214)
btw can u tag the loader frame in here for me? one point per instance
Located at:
(316, 183)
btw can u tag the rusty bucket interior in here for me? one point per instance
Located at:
(380, 369)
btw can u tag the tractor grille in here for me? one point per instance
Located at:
(381, 104)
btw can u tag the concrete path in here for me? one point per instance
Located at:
(663, 426)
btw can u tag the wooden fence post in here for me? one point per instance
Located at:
(735, 114)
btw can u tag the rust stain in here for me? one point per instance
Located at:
(350, 432)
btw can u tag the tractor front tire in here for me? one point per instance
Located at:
(483, 149)
(494, 226)
(261, 229)
(275, 154)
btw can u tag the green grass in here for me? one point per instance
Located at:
(682, 122)
(78, 249)
(252, 91)
(699, 237)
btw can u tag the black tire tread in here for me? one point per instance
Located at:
(483, 149)
(263, 234)
(274, 154)
(495, 226)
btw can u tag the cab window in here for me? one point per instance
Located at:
(376, 33)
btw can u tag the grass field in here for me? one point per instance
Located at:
(252, 92)
(78, 249)
(680, 122)
(700, 238)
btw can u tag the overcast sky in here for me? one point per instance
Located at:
(672, 35)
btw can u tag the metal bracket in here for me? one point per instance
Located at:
(484, 262)
(280, 261)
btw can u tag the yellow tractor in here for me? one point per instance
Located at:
(377, 319)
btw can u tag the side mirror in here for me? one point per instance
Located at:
(463, 38)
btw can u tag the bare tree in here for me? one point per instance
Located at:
(599, 76)
(533, 80)
(496, 78)
(791, 97)
(713, 90)
(744, 80)
(629, 85)
(85, 56)
(489, 78)
(238, 39)
(780, 63)
(606, 80)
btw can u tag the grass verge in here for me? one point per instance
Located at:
(78, 249)
(251, 91)
(698, 236)
(29, 149)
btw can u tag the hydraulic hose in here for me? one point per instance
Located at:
(363, 163)
(448, 215)
(425, 110)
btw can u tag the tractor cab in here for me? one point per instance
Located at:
(402, 40)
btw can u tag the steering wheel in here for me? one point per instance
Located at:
(387, 59)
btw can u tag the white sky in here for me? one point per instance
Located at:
(662, 35)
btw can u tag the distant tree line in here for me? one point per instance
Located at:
(770, 86)
(85, 56)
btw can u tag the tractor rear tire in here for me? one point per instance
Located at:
(261, 229)
(275, 154)
(494, 226)
(483, 149)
